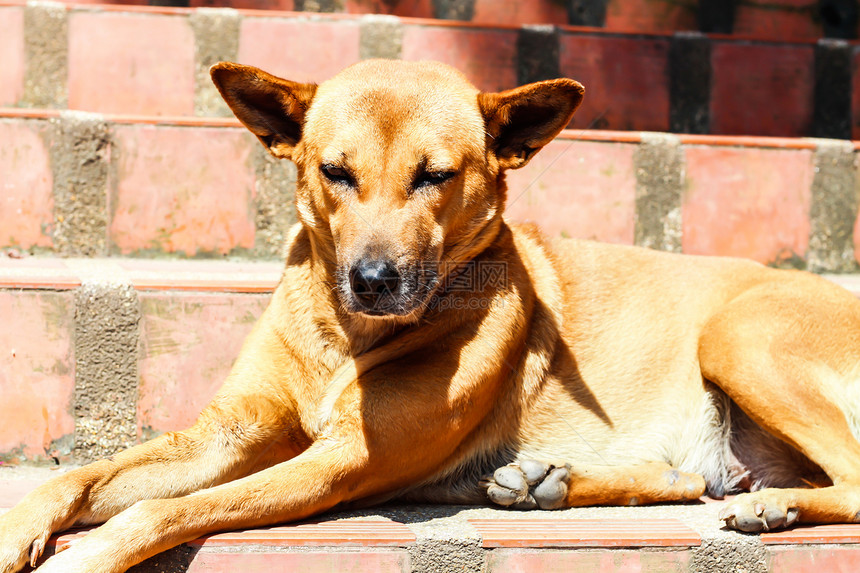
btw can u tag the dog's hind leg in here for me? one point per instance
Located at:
(530, 484)
(788, 353)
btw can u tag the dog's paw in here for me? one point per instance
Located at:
(528, 484)
(18, 546)
(760, 511)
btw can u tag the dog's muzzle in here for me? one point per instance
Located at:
(376, 287)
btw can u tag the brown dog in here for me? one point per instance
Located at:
(417, 342)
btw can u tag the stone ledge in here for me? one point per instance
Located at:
(78, 56)
(205, 188)
(433, 539)
(199, 276)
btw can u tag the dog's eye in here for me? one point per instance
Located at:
(337, 174)
(432, 178)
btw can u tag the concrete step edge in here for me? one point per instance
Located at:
(54, 273)
(570, 134)
(183, 275)
(431, 538)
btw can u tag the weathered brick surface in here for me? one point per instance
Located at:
(380, 37)
(394, 561)
(287, 5)
(518, 12)
(12, 53)
(131, 63)
(789, 20)
(750, 203)
(37, 375)
(209, 190)
(537, 54)
(626, 81)
(577, 189)
(799, 559)
(486, 56)
(776, 20)
(855, 97)
(650, 16)
(182, 190)
(547, 561)
(26, 185)
(120, 352)
(299, 49)
(690, 83)
(833, 210)
(274, 202)
(188, 343)
(763, 89)
(834, 81)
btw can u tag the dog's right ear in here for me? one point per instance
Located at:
(272, 108)
(521, 121)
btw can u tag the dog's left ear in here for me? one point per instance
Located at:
(272, 108)
(522, 120)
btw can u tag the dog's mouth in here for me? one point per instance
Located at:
(379, 289)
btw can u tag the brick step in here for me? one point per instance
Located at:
(87, 185)
(782, 20)
(441, 539)
(102, 59)
(169, 330)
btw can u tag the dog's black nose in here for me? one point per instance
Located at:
(372, 280)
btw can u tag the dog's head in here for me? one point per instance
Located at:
(399, 166)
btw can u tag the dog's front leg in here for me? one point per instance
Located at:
(252, 423)
(395, 425)
(171, 465)
(329, 472)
